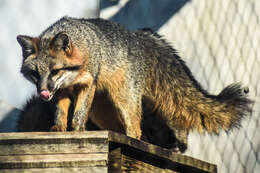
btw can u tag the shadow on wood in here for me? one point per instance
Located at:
(93, 151)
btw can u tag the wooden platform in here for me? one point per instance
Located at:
(92, 151)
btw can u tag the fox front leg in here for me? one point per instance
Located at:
(82, 107)
(85, 89)
(61, 115)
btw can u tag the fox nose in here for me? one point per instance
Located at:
(45, 94)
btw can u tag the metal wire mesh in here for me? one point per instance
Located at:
(220, 42)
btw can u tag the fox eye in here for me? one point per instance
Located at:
(55, 72)
(33, 75)
(28, 52)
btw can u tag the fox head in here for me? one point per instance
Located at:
(51, 63)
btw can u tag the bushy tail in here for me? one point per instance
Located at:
(226, 110)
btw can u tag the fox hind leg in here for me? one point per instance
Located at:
(130, 110)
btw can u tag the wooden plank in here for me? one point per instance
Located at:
(115, 163)
(59, 170)
(54, 135)
(53, 161)
(55, 146)
(26, 147)
(130, 165)
(163, 153)
(50, 143)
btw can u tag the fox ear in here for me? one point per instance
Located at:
(62, 42)
(28, 45)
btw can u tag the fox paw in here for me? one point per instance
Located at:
(77, 125)
(78, 128)
(58, 128)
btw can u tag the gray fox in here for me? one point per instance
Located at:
(108, 73)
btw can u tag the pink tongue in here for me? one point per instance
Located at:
(45, 94)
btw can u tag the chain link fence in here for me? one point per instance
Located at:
(220, 41)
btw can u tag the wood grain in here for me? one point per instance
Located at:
(58, 170)
(96, 151)
(163, 153)
(53, 161)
